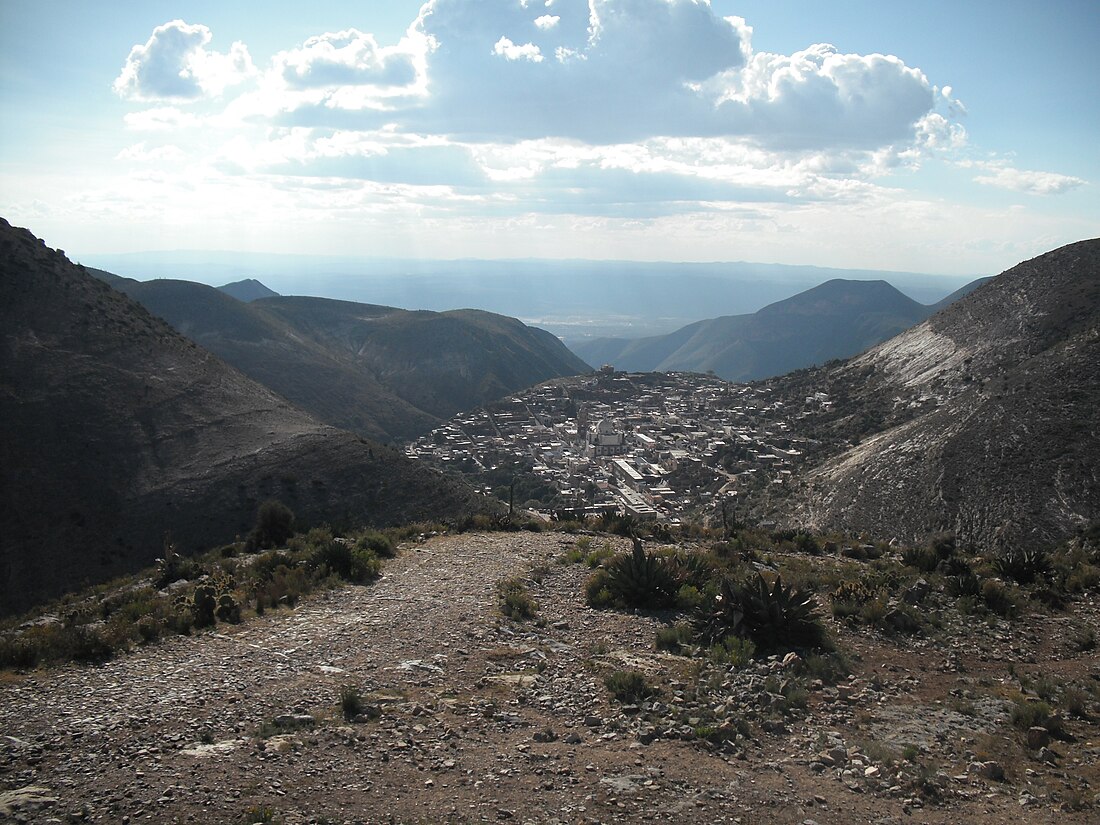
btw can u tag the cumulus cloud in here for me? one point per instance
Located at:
(599, 105)
(597, 71)
(819, 96)
(174, 64)
(345, 58)
(627, 70)
(507, 49)
(1026, 181)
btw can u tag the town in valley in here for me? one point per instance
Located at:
(662, 447)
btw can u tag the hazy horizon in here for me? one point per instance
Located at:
(575, 299)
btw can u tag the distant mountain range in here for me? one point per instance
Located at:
(836, 319)
(381, 372)
(575, 299)
(118, 434)
(982, 420)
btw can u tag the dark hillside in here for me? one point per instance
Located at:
(329, 385)
(440, 362)
(117, 432)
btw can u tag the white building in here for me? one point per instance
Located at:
(606, 440)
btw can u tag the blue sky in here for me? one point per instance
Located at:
(939, 137)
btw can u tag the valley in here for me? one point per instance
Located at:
(859, 591)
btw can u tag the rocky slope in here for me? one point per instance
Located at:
(836, 319)
(118, 432)
(982, 420)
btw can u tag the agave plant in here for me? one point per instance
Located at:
(772, 615)
(724, 616)
(1023, 565)
(779, 615)
(642, 579)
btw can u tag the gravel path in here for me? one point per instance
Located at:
(469, 718)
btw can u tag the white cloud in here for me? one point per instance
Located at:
(346, 58)
(652, 109)
(820, 97)
(174, 64)
(507, 49)
(1026, 181)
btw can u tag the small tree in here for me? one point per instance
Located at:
(274, 525)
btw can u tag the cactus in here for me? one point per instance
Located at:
(228, 609)
(203, 604)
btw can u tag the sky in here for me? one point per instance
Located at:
(939, 137)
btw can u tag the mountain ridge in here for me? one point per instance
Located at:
(835, 319)
(362, 367)
(248, 290)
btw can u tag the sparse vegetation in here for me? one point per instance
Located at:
(182, 594)
(514, 600)
(628, 686)
(351, 702)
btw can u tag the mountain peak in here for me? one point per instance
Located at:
(248, 290)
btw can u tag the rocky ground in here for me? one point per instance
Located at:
(470, 717)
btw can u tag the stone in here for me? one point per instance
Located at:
(22, 799)
(916, 592)
(838, 755)
(988, 770)
(1037, 737)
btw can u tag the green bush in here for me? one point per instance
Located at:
(1026, 715)
(274, 525)
(358, 564)
(924, 559)
(1022, 565)
(964, 584)
(773, 616)
(514, 600)
(850, 597)
(597, 592)
(377, 543)
(674, 638)
(351, 703)
(733, 651)
(998, 598)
